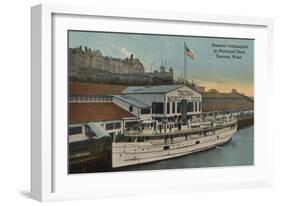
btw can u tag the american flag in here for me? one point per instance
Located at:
(189, 53)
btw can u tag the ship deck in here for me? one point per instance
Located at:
(188, 131)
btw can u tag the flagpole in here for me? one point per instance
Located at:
(185, 63)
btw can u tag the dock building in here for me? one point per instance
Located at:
(117, 108)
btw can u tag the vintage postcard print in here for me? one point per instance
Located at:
(150, 102)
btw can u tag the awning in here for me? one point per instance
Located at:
(98, 130)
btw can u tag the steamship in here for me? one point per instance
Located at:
(154, 141)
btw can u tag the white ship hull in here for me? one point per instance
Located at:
(132, 153)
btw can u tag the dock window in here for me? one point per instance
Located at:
(195, 106)
(131, 108)
(168, 107)
(157, 108)
(113, 125)
(75, 130)
(109, 126)
(179, 107)
(131, 124)
(190, 107)
(117, 125)
(145, 111)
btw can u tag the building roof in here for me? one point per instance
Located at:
(88, 89)
(94, 112)
(225, 101)
(132, 101)
(231, 95)
(151, 89)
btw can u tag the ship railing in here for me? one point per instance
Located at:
(189, 131)
(136, 132)
(211, 123)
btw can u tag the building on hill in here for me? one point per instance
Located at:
(164, 75)
(86, 65)
(92, 59)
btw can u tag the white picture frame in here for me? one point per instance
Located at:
(49, 178)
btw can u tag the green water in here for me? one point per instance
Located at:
(239, 151)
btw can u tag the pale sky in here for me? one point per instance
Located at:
(152, 50)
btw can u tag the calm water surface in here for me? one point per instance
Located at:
(238, 151)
